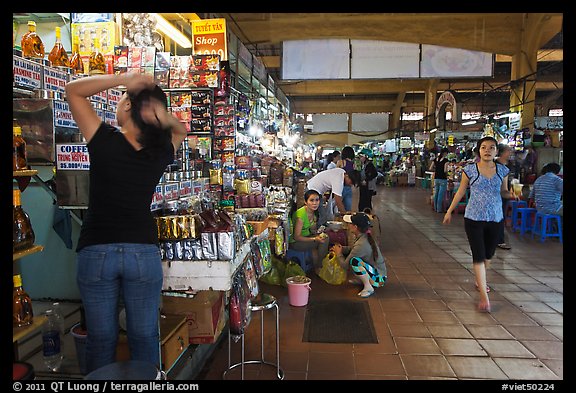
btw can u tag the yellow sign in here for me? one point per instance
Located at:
(209, 38)
(451, 140)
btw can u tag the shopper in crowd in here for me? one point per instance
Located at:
(304, 226)
(363, 256)
(440, 168)
(346, 161)
(504, 152)
(547, 190)
(332, 181)
(368, 174)
(483, 217)
(118, 253)
(333, 159)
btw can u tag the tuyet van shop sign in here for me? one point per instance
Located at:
(209, 37)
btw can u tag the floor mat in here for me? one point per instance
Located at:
(339, 321)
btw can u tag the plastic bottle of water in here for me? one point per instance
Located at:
(51, 342)
(60, 318)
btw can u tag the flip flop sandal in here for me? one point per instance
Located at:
(487, 288)
(364, 293)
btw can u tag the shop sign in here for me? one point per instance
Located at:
(244, 55)
(185, 188)
(27, 73)
(451, 140)
(72, 156)
(157, 198)
(101, 97)
(170, 191)
(62, 115)
(209, 37)
(55, 80)
(110, 118)
(114, 96)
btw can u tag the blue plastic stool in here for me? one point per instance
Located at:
(510, 212)
(543, 226)
(128, 370)
(524, 219)
(304, 258)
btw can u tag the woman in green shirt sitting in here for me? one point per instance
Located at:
(304, 235)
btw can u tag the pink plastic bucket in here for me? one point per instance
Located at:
(298, 290)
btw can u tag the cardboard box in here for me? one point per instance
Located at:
(203, 313)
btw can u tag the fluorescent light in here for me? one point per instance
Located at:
(168, 28)
(433, 130)
(467, 123)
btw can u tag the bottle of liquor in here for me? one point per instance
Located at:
(51, 342)
(96, 63)
(21, 304)
(58, 56)
(32, 45)
(76, 62)
(19, 160)
(23, 234)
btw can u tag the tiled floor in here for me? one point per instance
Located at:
(425, 317)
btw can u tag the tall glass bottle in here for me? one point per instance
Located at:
(23, 235)
(58, 56)
(96, 63)
(19, 159)
(31, 43)
(76, 62)
(22, 314)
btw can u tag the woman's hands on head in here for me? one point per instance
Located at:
(135, 83)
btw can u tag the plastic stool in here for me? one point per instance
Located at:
(510, 212)
(262, 303)
(304, 258)
(129, 370)
(524, 219)
(543, 226)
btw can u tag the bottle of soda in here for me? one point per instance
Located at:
(51, 342)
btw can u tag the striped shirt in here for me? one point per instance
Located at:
(547, 193)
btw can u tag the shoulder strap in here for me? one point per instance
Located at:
(477, 174)
(498, 173)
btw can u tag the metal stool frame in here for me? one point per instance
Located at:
(268, 302)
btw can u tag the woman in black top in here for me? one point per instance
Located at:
(440, 167)
(118, 254)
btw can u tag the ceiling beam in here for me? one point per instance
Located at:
(474, 31)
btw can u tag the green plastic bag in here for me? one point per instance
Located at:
(275, 274)
(292, 269)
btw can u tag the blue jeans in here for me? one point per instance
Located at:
(347, 197)
(440, 186)
(107, 272)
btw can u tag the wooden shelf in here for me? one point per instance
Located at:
(21, 332)
(22, 253)
(27, 172)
